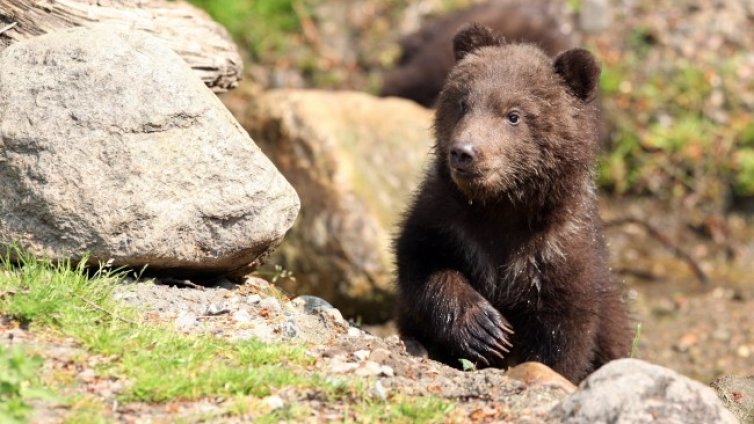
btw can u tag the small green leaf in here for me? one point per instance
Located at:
(467, 365)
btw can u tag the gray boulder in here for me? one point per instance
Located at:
(737, 393)
(634, 391)
(111, 146)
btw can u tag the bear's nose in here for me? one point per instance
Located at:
(462, 156)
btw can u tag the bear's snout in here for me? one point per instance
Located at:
(463, 157)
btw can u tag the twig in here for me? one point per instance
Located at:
(7, 27)
(101, 309)
(665, 241)
(177, 282)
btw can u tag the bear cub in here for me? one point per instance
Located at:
(501, 257)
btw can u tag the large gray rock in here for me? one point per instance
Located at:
(737, 393)
(111, 146)
(633, 391)
(354, 160)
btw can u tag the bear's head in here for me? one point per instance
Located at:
(513, 123)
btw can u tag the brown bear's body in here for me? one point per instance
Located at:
(501, 257)
(427, 55)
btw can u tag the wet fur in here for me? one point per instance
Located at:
(512, 266)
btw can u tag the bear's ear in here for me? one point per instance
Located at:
(471, 37)
(580, 71)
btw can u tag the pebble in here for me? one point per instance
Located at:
(333, 315)
(270, 303)
(242, 316)
(361, 355)
(393, 340)
(253, 299)
(311, 304)
(217, 309)
(379, 391)
(263, 332)
(288, 328)
(354, 332)
(387, 371)
(185, 320)
(379, 355)
(274, 402)
(371, 368)
(258, 283)
(339, 367)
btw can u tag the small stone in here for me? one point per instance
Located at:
(242, 316)
(386, 371)
(263, 332)
(311, 304)
(687, 341)
(379, 391)
(253, 299)
(361, 355)
(354, 332)
(368, 369)
(185, 320)
(393, 340)
(274, 402)
(217, 309)
(333, 315)
(289, 329)
(536, 373)
(258, 283)
(340, 367)
(270, 303)
(379, 355)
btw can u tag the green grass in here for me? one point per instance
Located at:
(19, 383)
(404, 410)
(262, 26)
(668, 140)
(635, 341)
(157, 363)
(161, 363)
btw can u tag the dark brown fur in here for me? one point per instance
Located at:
(501, 259)
(427, 55)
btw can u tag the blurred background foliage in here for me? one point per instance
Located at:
(678, 111)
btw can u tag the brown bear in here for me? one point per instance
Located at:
(427, 55)
(501, 257)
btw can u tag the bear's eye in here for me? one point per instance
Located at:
(513, 118)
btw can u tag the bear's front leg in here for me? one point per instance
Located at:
(566, 342)
(453, 320)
